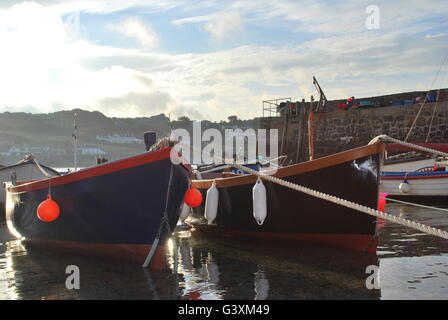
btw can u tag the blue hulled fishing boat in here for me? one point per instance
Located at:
(115, 209)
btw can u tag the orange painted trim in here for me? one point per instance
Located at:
(84, 174)
(131, 253)
(356, 242)
(298, 168)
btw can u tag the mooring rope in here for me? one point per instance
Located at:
(407, 144)
(40, 167)
(163, 222)
(416, 204)
(445, 59)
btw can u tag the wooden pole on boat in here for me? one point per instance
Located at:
(310, 131)
(75, 142)
(299, 136)
(284, 131)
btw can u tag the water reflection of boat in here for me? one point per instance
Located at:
(25, 170)
(212, 268)
(293, 216)
(33, 273)
(113, 210)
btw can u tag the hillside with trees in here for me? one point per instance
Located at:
(49, 136)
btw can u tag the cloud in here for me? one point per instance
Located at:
(43, 66)
(136, 104)
(46, 67)
(107, 6)
(220, 25)
(134, 28)
(224, 24)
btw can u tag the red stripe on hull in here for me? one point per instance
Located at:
(356, 242)
(131, 253)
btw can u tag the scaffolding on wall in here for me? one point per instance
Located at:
(271, 108)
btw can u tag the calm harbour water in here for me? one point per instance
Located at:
(412, 265)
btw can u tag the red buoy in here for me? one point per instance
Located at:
(48, 210)
(193, 197)
(382, 201)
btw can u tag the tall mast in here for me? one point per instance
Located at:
(75, 141)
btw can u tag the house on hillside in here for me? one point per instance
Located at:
(16, 151)
(92, 151)
(116, 138)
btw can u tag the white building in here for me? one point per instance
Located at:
(93, 151)
(116, 138)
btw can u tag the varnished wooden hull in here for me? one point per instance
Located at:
(295, 216)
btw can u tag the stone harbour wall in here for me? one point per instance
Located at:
(342, 130)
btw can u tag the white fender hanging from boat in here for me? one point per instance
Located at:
(404, 187)
(211, 203)
(185, 212)
(259, 202)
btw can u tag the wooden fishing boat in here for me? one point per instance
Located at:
(25, 170)
(294, 216)
(111, 210)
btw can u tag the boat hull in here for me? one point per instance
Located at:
(295, 216)
(117, 207)
(408, 166)
(433, 184)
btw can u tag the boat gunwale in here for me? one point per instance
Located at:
(295, 169)
(91, 172)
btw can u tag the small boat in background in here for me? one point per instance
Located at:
(415, 175)
(26, 170)
(111, 210)
(296, 217)
(422, 184)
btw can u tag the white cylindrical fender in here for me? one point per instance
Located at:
(211, 203)
(185, 212)
(259, 202)
(404, 187)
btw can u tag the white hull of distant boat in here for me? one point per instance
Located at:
(409, 165)
(419, 184)
(26, 170)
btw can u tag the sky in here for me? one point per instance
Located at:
(211, 59)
